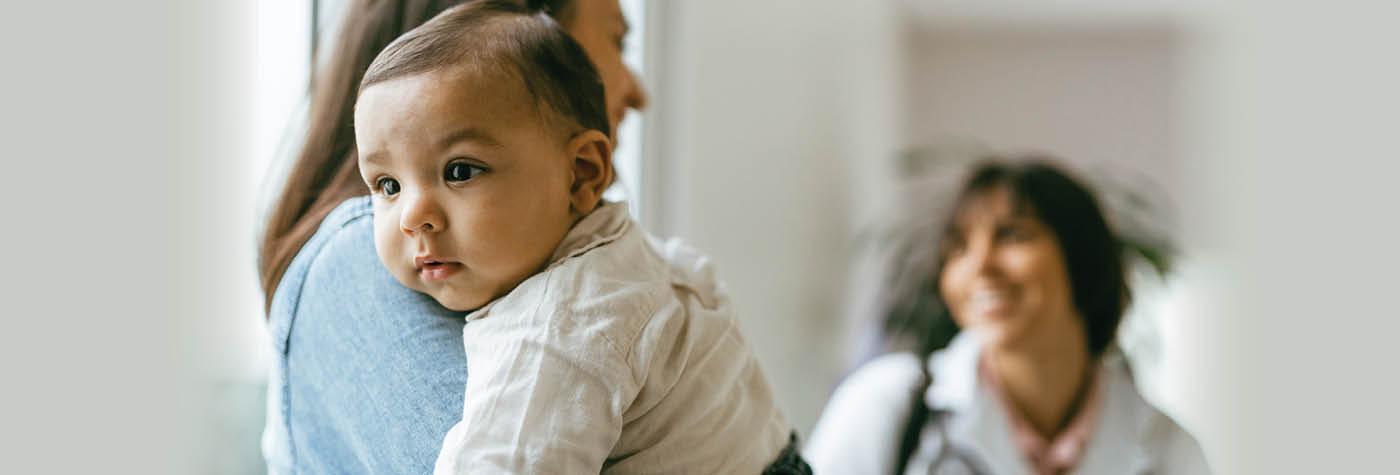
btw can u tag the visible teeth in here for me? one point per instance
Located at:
(985, 299)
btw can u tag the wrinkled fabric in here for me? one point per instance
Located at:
(622, 356)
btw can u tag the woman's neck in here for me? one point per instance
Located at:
(1045, 382)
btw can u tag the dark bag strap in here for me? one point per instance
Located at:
(914, 424)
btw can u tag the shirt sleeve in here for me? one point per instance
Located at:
(543, 396)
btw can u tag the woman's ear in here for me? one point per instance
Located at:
(592, 170)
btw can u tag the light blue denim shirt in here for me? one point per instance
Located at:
(367, 375)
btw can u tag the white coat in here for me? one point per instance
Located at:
(860, 430)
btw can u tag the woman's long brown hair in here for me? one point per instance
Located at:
(326, 171)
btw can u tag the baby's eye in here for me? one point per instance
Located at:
(388, 186)
(461, 171)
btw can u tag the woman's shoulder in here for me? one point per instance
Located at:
(338, 241)
(869, 402)
(888, 383)
(1176, 450)
(359, 208)
(338, 266)
(339, 231)
(343, 225)
(859, 429)
(1172, 447)
(889, 371)
(1181, 452)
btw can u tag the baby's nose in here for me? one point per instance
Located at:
(421, 214)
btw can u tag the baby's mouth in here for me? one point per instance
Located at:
(433, 269)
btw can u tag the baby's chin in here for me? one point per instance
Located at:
(457, 301)
(463, 292)
(453, 299)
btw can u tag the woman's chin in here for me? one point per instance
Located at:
(998, 335)
(992, 338)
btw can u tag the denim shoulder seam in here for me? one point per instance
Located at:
(342, 216)
(287, 297)
(347, 212)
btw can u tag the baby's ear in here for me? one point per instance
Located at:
(592, 169)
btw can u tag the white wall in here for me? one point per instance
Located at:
(1101, 94)
(781, 123)
(1292, 153)
(759, 103)
(1094, 95)
(779, 119)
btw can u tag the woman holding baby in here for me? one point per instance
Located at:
(482, 134)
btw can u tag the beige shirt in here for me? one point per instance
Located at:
(623, 356)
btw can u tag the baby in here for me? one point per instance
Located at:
(483, 137)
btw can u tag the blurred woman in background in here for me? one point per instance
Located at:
(1028, 266)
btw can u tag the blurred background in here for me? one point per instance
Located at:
(779, 147)
(780, 133)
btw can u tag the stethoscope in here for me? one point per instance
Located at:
(952, 458)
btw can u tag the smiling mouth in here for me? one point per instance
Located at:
(989, 302)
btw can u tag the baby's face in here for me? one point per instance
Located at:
(471, 191)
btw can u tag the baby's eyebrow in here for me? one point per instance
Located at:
(468, 134)
(373, 157)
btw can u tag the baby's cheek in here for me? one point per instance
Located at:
(516, 257)
(388, 245)
(383, 240)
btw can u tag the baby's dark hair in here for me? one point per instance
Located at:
(503, 37)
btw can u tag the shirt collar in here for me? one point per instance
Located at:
(1122, 415)
(954, 371)
(608, 222)
(1062, 452)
